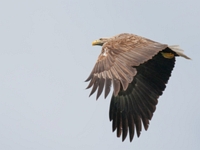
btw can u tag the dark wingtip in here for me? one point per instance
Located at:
(88, 87)
(91, 93)
(97, 97)
(131, 139)
(88, 79)
(123, 137)
(138, 133)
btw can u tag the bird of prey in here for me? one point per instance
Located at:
(139, 69)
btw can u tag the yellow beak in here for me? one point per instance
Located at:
(96, 42)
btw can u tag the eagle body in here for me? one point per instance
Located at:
(138, 69)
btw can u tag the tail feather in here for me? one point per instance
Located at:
(178, 51)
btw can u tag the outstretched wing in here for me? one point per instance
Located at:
(114, 64)
(130, 108)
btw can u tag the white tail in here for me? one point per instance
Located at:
(178, 51)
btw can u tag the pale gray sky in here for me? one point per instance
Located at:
(46, 54)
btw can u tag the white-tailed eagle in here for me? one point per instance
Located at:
(138, 69)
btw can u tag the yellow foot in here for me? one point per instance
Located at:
(167, 55)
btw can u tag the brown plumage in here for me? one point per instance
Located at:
(138, 69)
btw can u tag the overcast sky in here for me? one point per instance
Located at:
(46, 54)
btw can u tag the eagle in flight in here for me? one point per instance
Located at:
(139, 69)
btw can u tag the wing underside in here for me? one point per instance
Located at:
(130, 108)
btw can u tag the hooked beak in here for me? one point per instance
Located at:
(96, 42)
